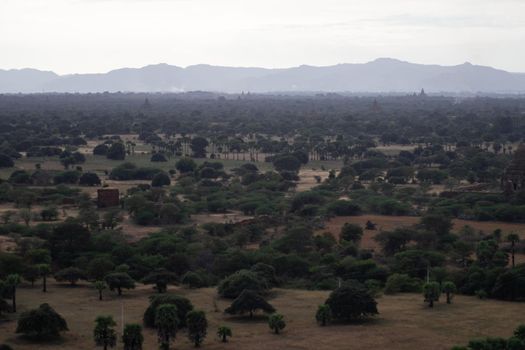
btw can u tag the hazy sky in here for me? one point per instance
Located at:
(99, 35)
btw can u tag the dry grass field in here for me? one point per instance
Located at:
(404, 321)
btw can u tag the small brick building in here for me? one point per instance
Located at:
(108, 197)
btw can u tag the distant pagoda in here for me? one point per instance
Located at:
(514, 177)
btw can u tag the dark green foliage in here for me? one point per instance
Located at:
(158, 157)
(224, 332)
(401, 283)
(197, 326)
(89, 179)
(41, 323)
(510, 285)
(160, 179)
(101, 150)
(118, 281)
(6, 161)
(233, 285)
(431, 292)
(116, 151)
(343, 208)
(160, 278)
(132, 337)
(248, 302)
(183, 307)
(286, 162)
(71, 275)
(276, 322)
(167, 323)
(351, 302)
(193, 280)
(104, 333)
(323, 314)
(185, 165)
(351, 232)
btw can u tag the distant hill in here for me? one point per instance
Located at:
(383, 75)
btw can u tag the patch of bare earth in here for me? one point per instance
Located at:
(220, 218)
(307, 178)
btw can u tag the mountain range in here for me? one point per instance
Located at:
(383, 75)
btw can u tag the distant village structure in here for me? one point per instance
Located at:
(514, 178)
(108, 197)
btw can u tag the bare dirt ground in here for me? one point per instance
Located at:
(404, 321)
(307, 178)
(387, 223)
(223, 218)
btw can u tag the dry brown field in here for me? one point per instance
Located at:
(403, 323)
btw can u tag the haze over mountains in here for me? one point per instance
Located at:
(383, 75)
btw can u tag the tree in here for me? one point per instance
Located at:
(233, 285)
(26, 215)
(160, 179)
(117, 151)
(89, 179)
(41, 323)
(351, 232)
(185, 165)
(71, 275)
(197, 326)
(158, 157)
(99, 267)
(323, 314)
(431, 292)
(286, 162)
(351, 302)
(104, 334)
(249, 301)
(224, 332)
(513, 238)
(183, 307)
(12, 281)
(166, 322)
(31, 274)
(44, 270)
(449, 288)
(100, 286)
(160, 278)
(118, 281)
(198, 146)
(132, 337)
(100, 150)
(276, 322)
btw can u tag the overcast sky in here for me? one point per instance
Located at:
(82, 36)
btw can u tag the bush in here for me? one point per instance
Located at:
(89, 179)
(6, 161)
(343, 208)
(185, 165)
(158, 157)
(351, 302)
(160, 179)
(117, 151)
(401, 283)
(193, 280)
(41, 323)
(183, 307)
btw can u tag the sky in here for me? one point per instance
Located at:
(88, 36)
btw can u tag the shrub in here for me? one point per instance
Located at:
(183, 307)
(401, 283)
(160, 179)
(351, 302)
(41, 323)
(233, 285)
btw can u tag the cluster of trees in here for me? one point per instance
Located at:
(516, 342)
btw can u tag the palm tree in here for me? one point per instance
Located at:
(166, 322)
(224, 332)
(276, 322)
(513, 239)
(132, 337)
(44, 270)
(104, 333)
(100, 286)
(12, 282)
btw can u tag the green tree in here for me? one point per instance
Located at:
(183, 307)
(132, 337)
(117, 151)
(185, 165)
(513, 238)
(44, 270)
(449, 288)
(276, 322)
(166, 322)
(41, 323)
(351, 302)
(431, 292)
(351, 232)
(161, 179)
(118, 281)
(197, 326)
(12, 281)
(323, 314)
(249, 301)
(104, 334)
(71, 275)
(160, 278)
(26, 215)
(224, 332)
(233, 285)
(100, 286)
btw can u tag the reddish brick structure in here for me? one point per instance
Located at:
(108, 197)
